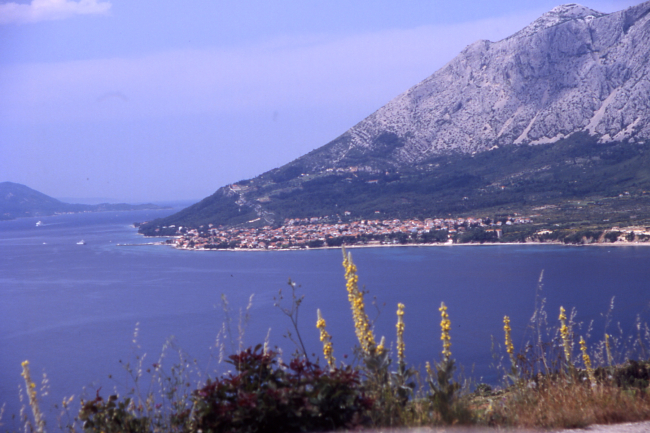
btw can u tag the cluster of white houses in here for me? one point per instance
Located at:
(315, 232)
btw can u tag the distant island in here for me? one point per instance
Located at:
(20, 201)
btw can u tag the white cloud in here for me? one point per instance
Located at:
(48, 10)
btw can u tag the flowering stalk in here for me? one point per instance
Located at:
(428, 368)
(326, 339)
(400, 336)
(33, 401)
(609, 352)
(355, 296)
(510, 348)
(381, 347)
(587, 361)
(445, 326)
(443, 387)
(565, 333)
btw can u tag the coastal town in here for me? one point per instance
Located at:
(318, 232)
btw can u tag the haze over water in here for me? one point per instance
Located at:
(71, 309)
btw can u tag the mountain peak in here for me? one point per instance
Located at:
(569, 11)
(558, 15)
(574, 69)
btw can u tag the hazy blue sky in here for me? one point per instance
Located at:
(161, 100)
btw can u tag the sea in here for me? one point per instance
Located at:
(80, 312)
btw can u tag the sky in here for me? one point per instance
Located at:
(139, 101)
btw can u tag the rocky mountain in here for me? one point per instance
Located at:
(18, 200)
(558, 111)
(573, 69)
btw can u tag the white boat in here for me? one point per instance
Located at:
(39, 223)
(81, 242)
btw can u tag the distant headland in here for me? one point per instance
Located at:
(20, 201)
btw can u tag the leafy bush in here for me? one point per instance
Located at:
(612, 236)
(479, 235)
(112, 416)
(582, 236)
(268, 396)
(633, 374)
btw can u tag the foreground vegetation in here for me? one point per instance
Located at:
(544, 384)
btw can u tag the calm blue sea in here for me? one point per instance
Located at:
(72, 310)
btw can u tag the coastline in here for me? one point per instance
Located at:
(449, 243)
(422, 245)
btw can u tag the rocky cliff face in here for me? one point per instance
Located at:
(573, 69)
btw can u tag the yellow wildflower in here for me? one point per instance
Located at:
(326, 339)
(380, 347)
(587, 361)
(565, 333)
(510, 348)
(445, 326)
(400, 334)
(427, 366)
(31, 394)
(355, 297)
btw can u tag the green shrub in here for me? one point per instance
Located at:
(633, 374)
(268, 396)
(112, 416)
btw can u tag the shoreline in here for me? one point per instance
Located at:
(423, 245)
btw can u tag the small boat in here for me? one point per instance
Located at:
(39, 223)
(81, 242)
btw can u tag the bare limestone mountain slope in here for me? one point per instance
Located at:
(559, 111)
(573, 69)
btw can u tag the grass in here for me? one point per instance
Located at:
(563, 402)
(544, 384)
